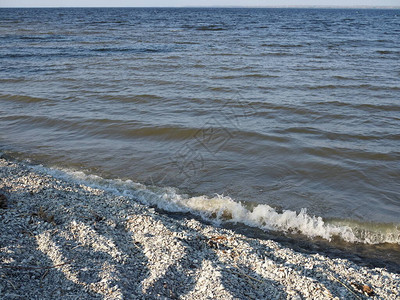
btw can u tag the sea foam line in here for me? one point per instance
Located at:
(221, 208)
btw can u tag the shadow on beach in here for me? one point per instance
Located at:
(60, 240)
(67, 240)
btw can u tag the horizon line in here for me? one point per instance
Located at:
(228, 6)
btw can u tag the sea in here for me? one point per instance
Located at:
(276, 122)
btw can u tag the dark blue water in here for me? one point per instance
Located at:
(291, 116)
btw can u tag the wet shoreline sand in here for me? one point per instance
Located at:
(64, 239)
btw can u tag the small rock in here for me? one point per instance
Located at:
(3, 201)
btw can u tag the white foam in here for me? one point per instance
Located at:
(224, 209)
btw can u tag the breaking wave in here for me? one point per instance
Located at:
(219, 209)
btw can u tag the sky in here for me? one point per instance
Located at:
(173, 3)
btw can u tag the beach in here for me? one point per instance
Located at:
(199, 153)
(62, 239)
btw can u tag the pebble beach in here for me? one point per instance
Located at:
(62, 239)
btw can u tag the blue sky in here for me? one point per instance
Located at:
(157, 3)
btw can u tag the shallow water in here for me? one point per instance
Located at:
(292, 115)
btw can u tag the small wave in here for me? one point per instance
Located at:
(235, 68)
(351, 153)
(344, 77)
(17, 55)
(252, 75)
(257, 75)
(275, 54)
(364, 106)
(108, 127)
(35, 37)
(299, 110)
(211, 28)
(23, 98)
(387, 52)
(219, 209)
(282, 45)
(371, 233)
(138, 98)
(361, 86)
(12, 80)
(332, 135)
(186, 43)
(166, 133)
(129, 50)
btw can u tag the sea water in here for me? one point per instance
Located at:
(286, 120)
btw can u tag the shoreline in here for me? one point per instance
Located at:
(62, 239)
